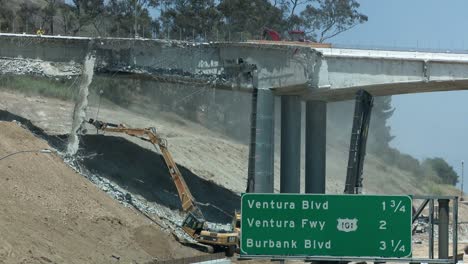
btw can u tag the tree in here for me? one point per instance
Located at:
(192, 18)
(141, 14)
(130, 17)
(28, 16)
(251, 16)
(68, 19)
(145, 4)
(291, 6)
(7, 16)
(327, 18)
(85, 13)
(444, 171)
(49, 11)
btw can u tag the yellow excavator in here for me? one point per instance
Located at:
(194, 223)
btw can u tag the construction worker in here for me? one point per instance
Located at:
(40, 32)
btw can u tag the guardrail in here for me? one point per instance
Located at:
(210, 257)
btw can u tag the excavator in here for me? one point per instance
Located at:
(294, 35)
(194, 223)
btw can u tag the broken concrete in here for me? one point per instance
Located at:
(224, 65)
(21, 66)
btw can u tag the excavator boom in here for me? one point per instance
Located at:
(150, 135)
(194, 222)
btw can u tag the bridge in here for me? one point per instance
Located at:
(293, 72)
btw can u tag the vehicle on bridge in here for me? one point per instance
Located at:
(293, 37)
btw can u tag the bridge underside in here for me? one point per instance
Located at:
(388, 89)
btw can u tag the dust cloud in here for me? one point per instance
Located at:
(79, 112)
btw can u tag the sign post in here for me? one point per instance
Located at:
(326, 225)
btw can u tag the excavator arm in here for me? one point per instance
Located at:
(150, 134)
(194, 222)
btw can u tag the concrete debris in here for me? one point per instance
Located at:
(421, 225)
(168, 74)
(81, 104)
(171, 220)
(421, 229)
(20, 66)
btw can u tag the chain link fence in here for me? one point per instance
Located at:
(107, 29)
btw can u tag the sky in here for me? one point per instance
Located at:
(429, 124)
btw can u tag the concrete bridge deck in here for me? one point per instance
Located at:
(383, 72)
(326, 74)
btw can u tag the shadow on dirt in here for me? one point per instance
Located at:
(54, 141)
(141, 171)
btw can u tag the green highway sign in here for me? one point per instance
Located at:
(326, 225)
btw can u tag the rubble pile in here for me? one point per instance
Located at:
(169, 220)
(421, 228)
(421, 225)
(21, 66)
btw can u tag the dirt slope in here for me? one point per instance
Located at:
(50, 214)
(207, 154)
(204, 153)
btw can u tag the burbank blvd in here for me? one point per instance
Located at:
(289, 244)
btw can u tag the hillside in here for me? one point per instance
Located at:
(211, 162)
(208, 154)
(50, 214)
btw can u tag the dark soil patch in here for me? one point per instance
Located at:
(140, 171)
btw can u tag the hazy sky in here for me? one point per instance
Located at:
(430, 124)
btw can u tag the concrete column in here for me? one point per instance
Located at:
(261, 152)
(315, 146)
(443, 228)
(455, 228)
(431, 228)
(290, 144)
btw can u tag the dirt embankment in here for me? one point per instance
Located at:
(205, 153)
(140, 171)
(50, 214)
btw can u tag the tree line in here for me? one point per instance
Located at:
(320, 20)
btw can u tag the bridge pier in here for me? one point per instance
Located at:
(290, 169)
(315, 146)
(261, 155)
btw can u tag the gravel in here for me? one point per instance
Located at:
(21, 66)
